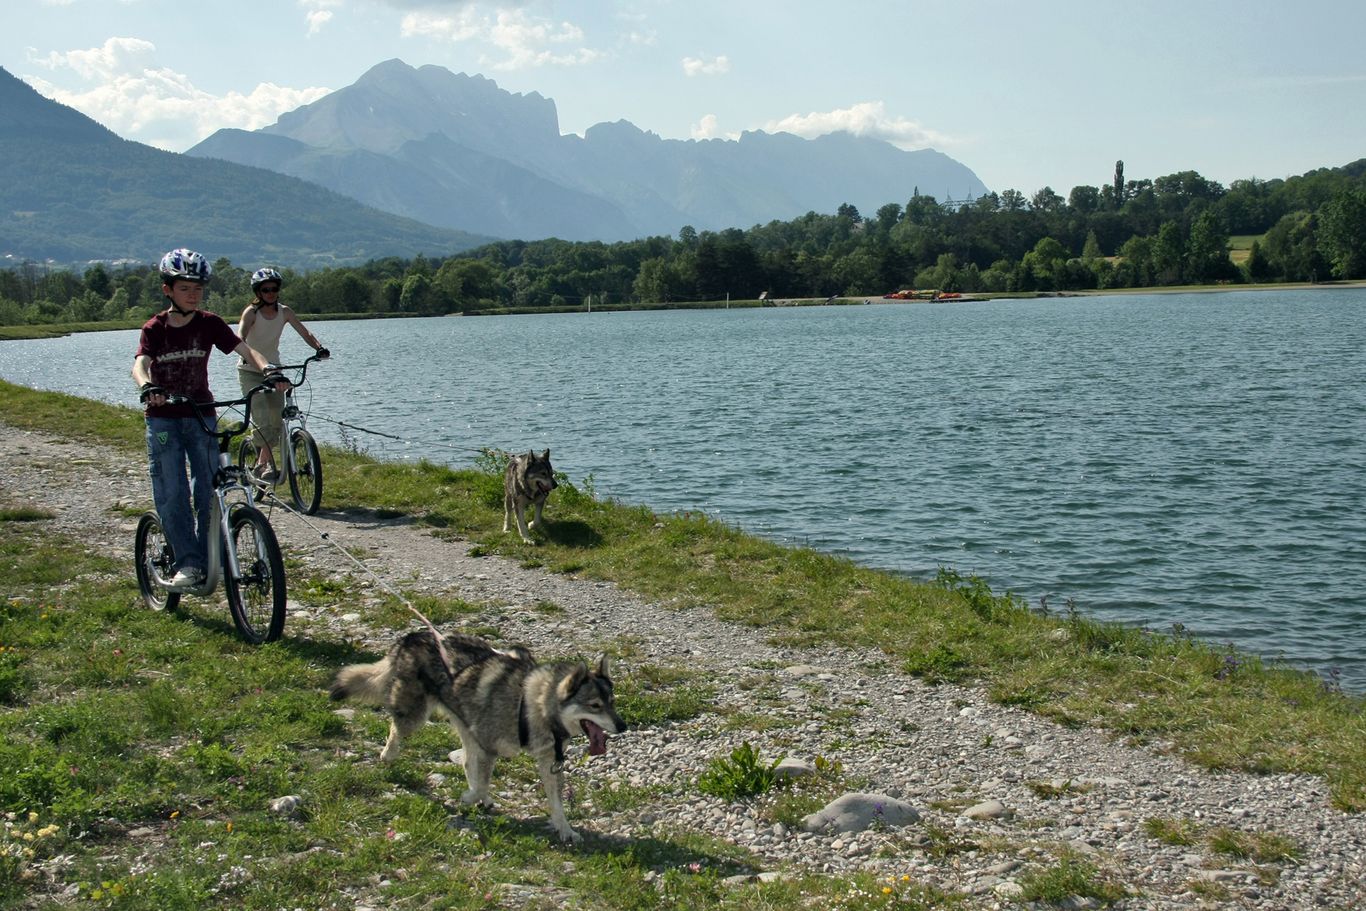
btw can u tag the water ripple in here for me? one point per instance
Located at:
(1192, 459)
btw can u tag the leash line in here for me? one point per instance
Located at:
(390, 436)
(327, 538)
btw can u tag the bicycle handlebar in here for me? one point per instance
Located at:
(303, 367)
(231, 430)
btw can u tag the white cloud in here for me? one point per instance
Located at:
(707, 128)
(427, 4)
(317, 13)
(868, 118)
(521, 41)
(694, 66)
(137, 100)
(463, 26)
(116, 55)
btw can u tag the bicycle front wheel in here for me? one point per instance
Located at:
(247, 454)
(154, 559)
(256, 597)
(305, 472)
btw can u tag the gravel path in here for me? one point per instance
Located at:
(946, 750)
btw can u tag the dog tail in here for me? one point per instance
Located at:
(368, 683)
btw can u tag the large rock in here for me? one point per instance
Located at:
(856, 812)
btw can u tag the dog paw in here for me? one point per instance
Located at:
(470, 797)
(527, 540)
(569, 836)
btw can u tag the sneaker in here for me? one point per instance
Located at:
(268, 474)
(186, 579)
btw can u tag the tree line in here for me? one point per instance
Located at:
(1173, 230)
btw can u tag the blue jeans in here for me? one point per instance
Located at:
(171, 444)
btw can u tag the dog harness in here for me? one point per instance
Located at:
(557, 729)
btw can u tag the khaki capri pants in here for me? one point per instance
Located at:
(266, 408)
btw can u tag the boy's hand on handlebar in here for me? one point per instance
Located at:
(323, 354)
(151, 393)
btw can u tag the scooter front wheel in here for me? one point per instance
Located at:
(256, 597)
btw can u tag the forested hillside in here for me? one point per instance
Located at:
(1171, 230)
(72, 191)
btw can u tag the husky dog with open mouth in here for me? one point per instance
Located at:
(500, 702)
(528, 481)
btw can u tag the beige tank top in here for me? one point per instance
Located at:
(265, 337)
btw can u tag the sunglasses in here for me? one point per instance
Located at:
(265, 289)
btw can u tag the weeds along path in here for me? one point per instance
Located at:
(1064, 795)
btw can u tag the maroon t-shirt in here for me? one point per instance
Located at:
(180, 357)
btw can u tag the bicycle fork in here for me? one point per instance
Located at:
(222, 554)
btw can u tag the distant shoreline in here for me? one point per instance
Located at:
(971, 297)
(56, 330)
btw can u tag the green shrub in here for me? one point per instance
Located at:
(740, 777)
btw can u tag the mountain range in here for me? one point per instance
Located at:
(72, 191)
(456, 151)
(413, 160)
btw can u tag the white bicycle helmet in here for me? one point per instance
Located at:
(185, 265)
(261, 276)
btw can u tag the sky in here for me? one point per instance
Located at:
(1050, 93)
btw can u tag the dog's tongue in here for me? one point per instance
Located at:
(597, 738)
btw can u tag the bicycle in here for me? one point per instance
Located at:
(299, 461)
(248, 553)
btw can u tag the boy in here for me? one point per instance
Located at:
(173, 358)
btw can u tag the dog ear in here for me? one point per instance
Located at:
(571, 683)
(546, 455)
(531, 455)
(604, 667)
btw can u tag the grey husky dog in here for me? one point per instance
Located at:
(500, 702)
(528, 480)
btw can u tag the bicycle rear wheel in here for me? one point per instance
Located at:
(153, 558)
(306, 472)
(257, 597)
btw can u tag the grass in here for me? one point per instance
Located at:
(1260, 847)
(115, 719)
(1240, 247)
(1067, 878)
(140, 753)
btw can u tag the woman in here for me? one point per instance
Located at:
(263, 321)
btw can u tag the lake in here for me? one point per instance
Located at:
(1194, 459)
